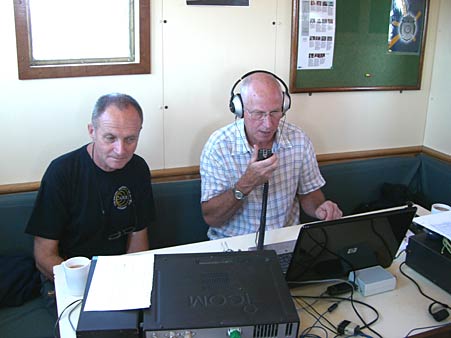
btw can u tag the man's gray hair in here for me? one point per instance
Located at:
(121, 101)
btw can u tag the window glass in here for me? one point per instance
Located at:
(87, 35)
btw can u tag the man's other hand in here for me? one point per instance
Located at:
(328, 211)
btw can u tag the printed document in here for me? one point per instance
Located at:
(316, 38)
(439, 223)
(121, 283)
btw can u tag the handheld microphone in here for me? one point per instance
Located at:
(263, 154)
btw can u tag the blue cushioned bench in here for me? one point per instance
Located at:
(353, 183)
(31, 320)
(179, 221)
(179, 218)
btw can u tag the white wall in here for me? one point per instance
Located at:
(196, 57)
(438, 126)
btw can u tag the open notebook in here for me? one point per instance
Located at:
(331, 249)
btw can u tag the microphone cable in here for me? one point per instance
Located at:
(261, 230)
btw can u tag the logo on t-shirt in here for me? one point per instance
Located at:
(122, 198)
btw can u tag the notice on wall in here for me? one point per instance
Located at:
(316, 40)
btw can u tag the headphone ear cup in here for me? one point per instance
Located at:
(286, 102)
(236, 106)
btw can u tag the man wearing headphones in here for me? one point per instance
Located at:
(233, 177)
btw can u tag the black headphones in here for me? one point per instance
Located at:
(236, 103)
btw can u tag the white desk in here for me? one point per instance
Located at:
(400, 310)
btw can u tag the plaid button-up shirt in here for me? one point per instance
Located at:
(224, 160)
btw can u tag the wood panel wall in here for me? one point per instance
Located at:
(186, 173)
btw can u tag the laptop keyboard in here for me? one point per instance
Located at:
(284, 260)
(284, 251)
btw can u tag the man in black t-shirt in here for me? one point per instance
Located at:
(96, 200)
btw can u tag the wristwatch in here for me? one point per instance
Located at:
(238, 194)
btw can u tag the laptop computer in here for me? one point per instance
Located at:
(332, 249)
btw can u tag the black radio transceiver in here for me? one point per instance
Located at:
(263, 154)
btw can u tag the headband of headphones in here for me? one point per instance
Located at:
(236, 103)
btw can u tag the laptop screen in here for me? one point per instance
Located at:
(331, 249)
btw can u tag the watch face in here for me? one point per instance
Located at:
(239, 195)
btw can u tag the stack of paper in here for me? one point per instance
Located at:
(439, 223)
(121, 283)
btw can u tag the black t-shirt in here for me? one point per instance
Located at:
(91, 211)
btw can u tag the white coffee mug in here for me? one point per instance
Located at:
(439, 207)
(76, 270)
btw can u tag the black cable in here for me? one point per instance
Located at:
(312, 335)
(261, 230)
(55, 328)
(263, 154)
(70, 314)
(434, 301)
(339, 281)
(317, 320)
(102, 207)
(333, 329)
(419, 288)
(366, 326)
(350, 299)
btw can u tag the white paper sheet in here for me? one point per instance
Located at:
(121, 283)
(316, 38)
(439, 223)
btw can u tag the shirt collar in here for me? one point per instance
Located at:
(282, 139)
(241, 146)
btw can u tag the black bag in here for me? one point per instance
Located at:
(19, 280)
(392, 195)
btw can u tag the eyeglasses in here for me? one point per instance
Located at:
(260, 115)
(121, 233)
